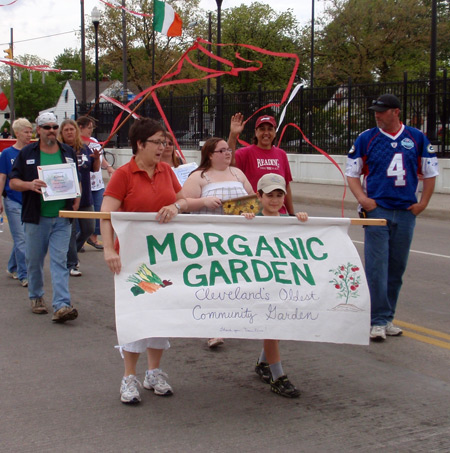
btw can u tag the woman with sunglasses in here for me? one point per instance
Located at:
(88, 160)
(213, 181)
(169, 155)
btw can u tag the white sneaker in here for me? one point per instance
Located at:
(378, 333)
(393, 331)
(13, 275)
(129, 393)
(75, 273)
(156, 380)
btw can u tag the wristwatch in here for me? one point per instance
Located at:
(177, 206)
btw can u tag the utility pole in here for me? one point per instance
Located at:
(11, 69)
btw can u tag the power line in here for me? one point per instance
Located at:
(40, 37)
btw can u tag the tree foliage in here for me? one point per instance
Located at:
(375, 40)
(33, 90)
(256, 24)
(71, 59)
(139, 32)
(260, 26)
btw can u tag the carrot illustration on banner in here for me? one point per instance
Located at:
(146, 281)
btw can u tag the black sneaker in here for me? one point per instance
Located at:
(284, 387)
(263, 371)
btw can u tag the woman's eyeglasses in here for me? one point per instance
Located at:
(157, 142)
(223, 150)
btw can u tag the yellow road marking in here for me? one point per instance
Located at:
(424, 339)
(434, 333)
(424, 330)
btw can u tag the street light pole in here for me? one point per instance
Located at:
(431, 120)
(124, 55)
(95, 16)
(83, 61)
(219, 107)
(208, 81)
(311, 80)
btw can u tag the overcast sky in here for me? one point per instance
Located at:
(31, 19)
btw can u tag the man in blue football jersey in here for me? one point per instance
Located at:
(389, 157)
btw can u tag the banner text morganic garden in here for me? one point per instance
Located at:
(276, 260)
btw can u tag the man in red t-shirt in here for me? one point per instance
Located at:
(262, 157)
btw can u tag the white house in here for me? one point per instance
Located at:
(5, 115)
(71, 94)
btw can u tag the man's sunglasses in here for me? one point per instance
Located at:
(47, 128)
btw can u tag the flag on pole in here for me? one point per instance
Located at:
(166, 20)
(3, 100)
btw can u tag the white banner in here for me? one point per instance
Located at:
(225, 276)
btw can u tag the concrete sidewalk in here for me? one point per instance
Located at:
(332, 195)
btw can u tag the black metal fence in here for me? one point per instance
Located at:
(331, 117)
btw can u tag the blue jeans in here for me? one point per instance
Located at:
(52, 233)
(386, 251)
(97, 195)
(16, 261)
(77, 239)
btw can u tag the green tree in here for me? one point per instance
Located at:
(33, 90)
(71, 59)
(374, 40)
(139, 42)
(261, 26)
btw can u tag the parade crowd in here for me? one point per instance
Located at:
(383, 170)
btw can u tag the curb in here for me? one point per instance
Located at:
(429, 213)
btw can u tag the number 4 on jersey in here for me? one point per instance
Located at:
(395, 170)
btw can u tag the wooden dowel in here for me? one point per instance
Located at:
(85, 214)
(107, 215)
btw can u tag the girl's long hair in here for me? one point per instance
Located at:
(78, 145)
(207, 149)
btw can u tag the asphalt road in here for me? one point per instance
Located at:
(59, 384)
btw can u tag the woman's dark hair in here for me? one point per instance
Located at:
(85, 120)
(207, 149)
(142, 129)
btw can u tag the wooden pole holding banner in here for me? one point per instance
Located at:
(107, 215)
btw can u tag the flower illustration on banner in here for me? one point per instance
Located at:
(346, 281)
(146, 281)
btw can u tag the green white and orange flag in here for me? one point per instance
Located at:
(166, 20)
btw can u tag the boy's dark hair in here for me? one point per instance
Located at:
(142, 129)
(260, 191)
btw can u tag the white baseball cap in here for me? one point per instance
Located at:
(270, 182)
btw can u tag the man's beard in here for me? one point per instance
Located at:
(50, 141)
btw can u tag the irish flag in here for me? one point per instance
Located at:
(166, 20)
(3, 100)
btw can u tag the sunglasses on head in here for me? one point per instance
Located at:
(47, 127)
